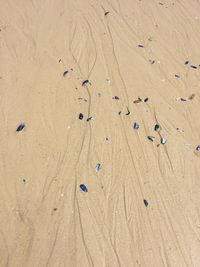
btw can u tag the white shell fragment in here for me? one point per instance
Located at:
(163, 141)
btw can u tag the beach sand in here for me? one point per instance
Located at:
(141, 205)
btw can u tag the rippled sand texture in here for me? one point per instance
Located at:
(133, 51)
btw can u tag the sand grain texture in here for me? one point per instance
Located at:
(45, 218)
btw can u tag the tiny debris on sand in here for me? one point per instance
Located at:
(83, 188)
(20, 127)
(65, 73)
(86, 82)
(146, 202)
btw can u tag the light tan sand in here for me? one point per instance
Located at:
(45, 218)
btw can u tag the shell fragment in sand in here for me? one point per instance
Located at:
(198, 148)
(137, 100)
(181, 99)
(151, 61)
(128, 111)
(80, 116)
(163, 141)
(193, 66)
(191, 96)
(115, 97)
(151, 138)
(65, 73)
(86, 82)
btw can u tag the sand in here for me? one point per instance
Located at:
(142, 204)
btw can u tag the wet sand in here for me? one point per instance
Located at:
(140, 205)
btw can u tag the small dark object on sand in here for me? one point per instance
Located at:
(98, 167)
(137, 101)
(141, 46)
(150, 138)
(177, 76)
(83, 188)
(85, 82)
(191, 96)
(186, 62)
(151, 61)
(20, 127)
(193, 66)
(146, 99)
(128, 112)
(115, 97)
(146, 202)
(80, 116)
(183, 99)
(89, 118)
(198, 148)
(65, 73)
(106, 13)
(136, 126)
(119, 112)
(157, 128)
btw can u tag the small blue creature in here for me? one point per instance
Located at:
(98, 166)
(86, 82)
(136, 126)
(83, 188)
(20, 127)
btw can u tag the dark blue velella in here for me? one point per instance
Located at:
(83, 188)
(146, 202)
(157, 128)
(85, 82)
(136, 126)
(98, 166)
(20, 127)
(198, 148)
(80, 116)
